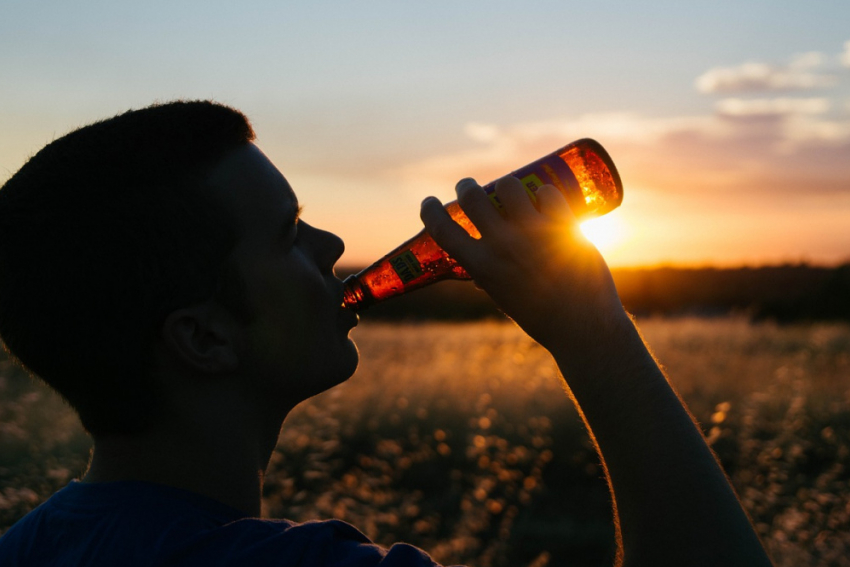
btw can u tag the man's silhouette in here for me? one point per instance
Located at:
(155, 270)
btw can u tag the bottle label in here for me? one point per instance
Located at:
(406, 266)
(550, 170)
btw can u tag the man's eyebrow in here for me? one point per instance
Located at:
(292, 218)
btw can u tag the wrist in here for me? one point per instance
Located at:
(606, 352)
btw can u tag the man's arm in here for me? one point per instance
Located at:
(673, 505)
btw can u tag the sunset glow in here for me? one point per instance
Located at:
(728, 126)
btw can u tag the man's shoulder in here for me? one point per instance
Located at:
(332, 543)
(119, 521)
(140, 525)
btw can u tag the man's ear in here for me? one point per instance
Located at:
(204, 337)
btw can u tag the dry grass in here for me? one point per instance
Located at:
(458, 438)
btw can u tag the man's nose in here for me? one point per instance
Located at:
(326, 246)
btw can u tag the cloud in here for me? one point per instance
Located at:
(771, 106)
(754, 181)
(802, 131)
(761, 168)
(626, 126)
(845, 57)
(794, 121)
(481, 132)
(496, 150)
(751, 148)
(799, 74)
(747, 147)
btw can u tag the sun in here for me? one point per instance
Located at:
(606, 233)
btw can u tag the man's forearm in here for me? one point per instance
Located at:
(673, 501)
(674, 504)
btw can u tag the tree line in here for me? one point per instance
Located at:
(785, 293)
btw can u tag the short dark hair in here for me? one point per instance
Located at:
(103, 233)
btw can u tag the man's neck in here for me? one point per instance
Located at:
(223, 460)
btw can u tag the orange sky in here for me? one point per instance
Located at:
(729, 121)
(717, 189)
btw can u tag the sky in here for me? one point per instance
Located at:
(729, 121)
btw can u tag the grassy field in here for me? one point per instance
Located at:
(459, 439)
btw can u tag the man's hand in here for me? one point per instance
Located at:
(672, 503)
(532, 259)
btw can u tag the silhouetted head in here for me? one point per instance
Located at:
(295, 342)
(103, 233)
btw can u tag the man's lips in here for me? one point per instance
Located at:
(350, 317)
(349, 314)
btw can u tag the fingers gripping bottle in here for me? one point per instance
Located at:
(582, 171)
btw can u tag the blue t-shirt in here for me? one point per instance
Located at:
(135, 524)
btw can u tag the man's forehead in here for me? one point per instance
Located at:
(251, 187)
(246, 166)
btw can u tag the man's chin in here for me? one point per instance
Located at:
(332, 377)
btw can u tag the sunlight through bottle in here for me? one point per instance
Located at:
(582, 171)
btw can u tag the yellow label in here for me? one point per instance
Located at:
(495, 200)
(406, 266)
(531, 184)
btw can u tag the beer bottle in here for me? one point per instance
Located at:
(582, 171)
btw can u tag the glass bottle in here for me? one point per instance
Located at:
(582, 171)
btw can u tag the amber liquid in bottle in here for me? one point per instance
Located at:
(582, 171)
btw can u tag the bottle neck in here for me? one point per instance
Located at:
(355, 296)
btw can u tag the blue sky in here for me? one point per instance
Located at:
(367, 107)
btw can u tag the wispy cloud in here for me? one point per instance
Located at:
(751, 150)
(801, 73)
(697, 187)
(744, 152)
(845, 57)
(771, 106)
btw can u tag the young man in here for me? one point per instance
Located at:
(155, 271)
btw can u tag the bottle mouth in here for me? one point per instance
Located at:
(610, 185)
(354, 297)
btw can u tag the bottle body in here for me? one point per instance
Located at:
(582, 171)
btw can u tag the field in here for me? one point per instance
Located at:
(458, 438)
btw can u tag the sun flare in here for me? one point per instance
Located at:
(606, 233)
